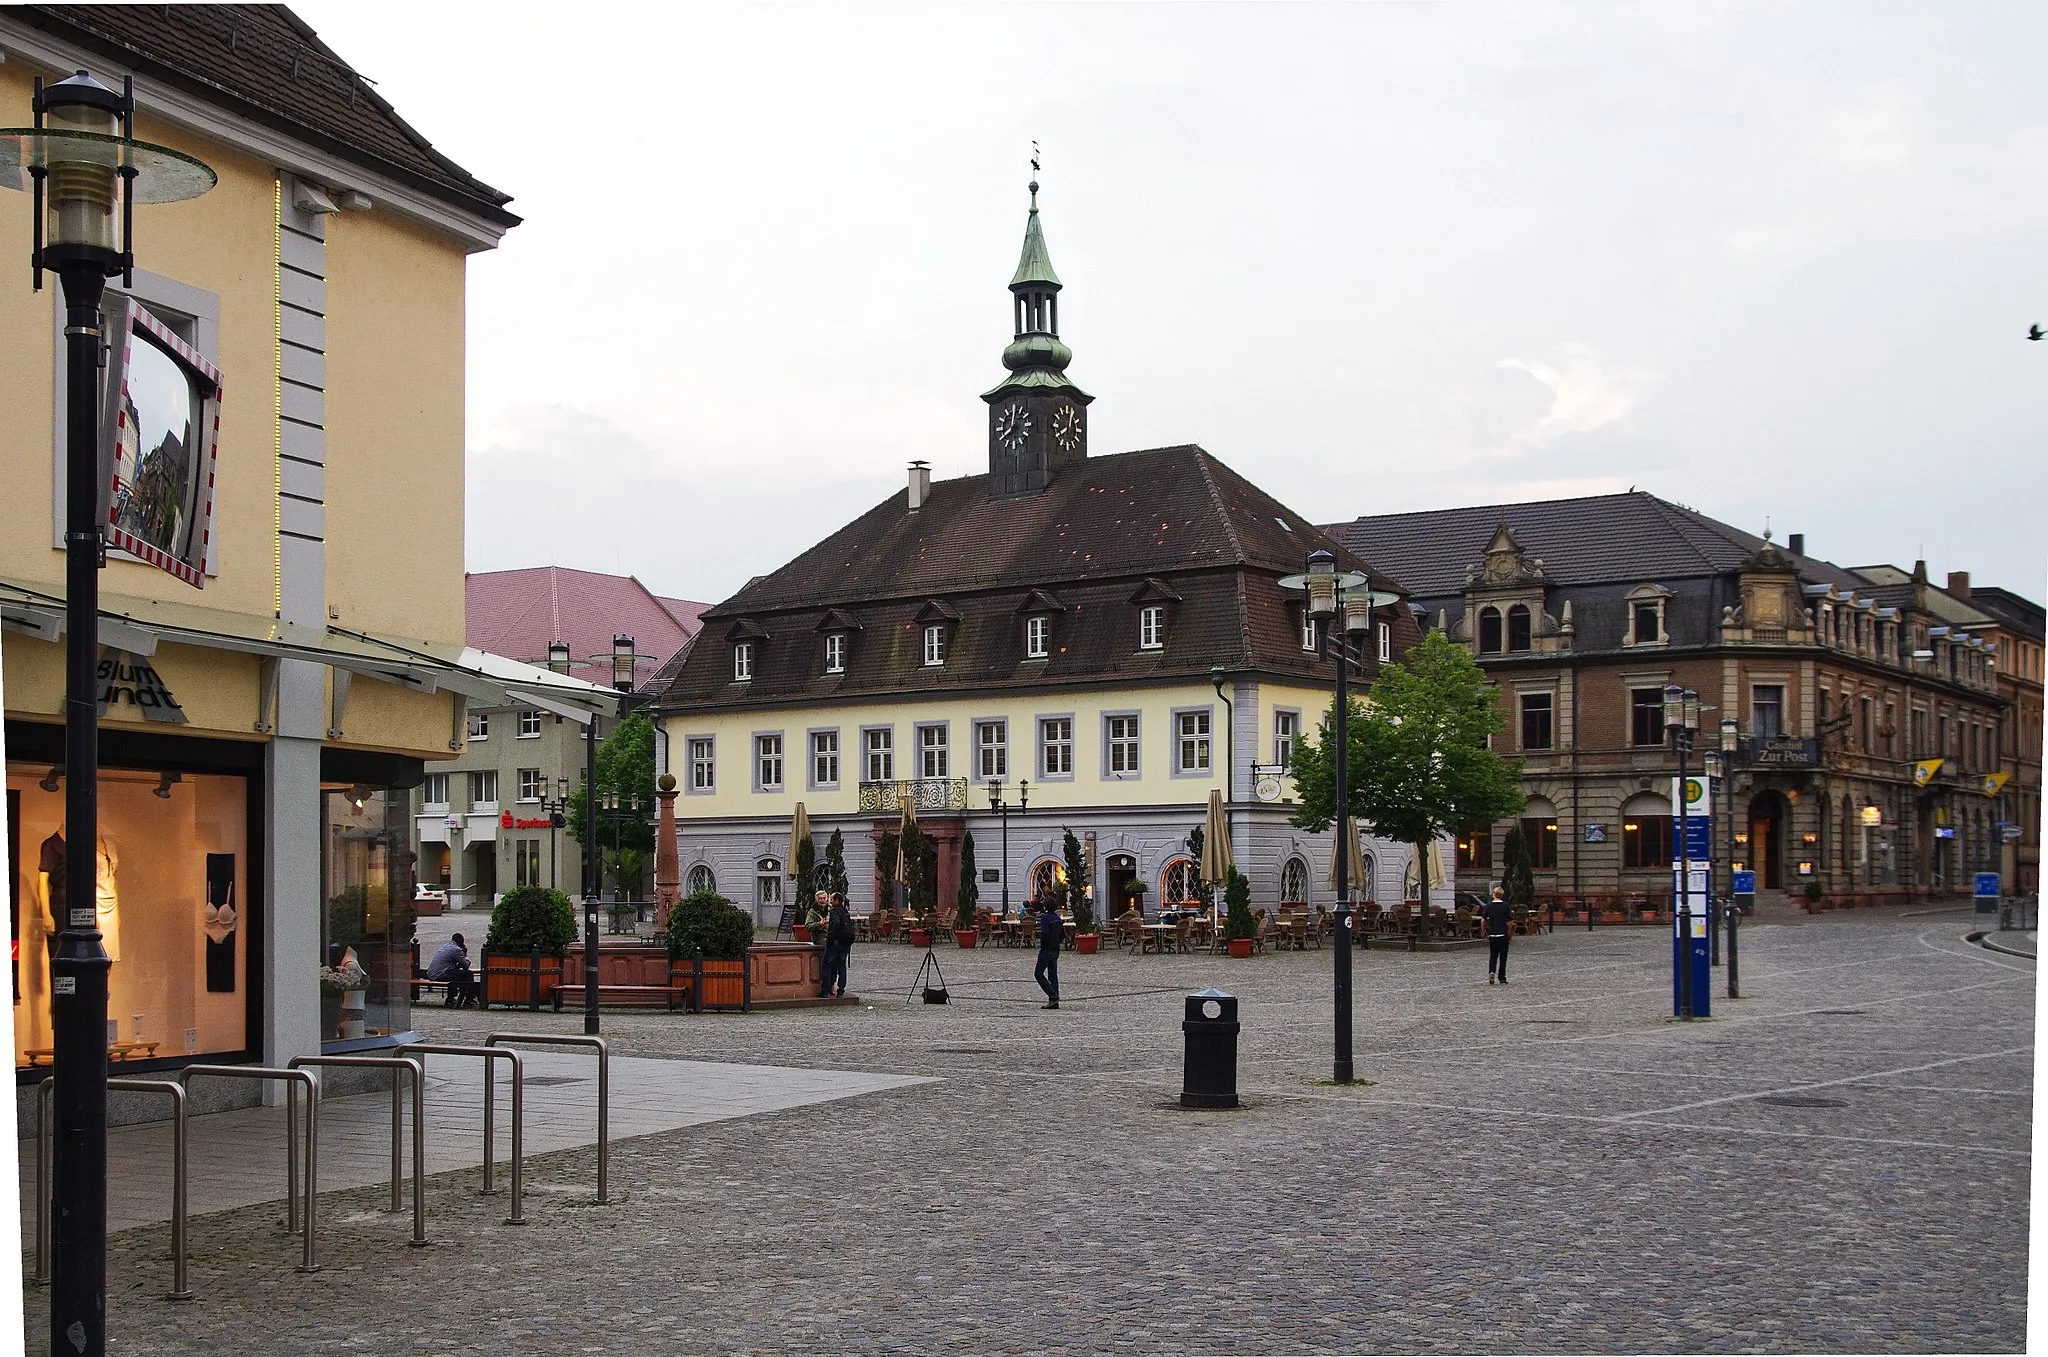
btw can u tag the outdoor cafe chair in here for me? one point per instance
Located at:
(1183, 934)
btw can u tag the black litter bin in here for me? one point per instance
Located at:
(1209, 1078)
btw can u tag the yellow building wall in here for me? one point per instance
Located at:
(1090, 786)
(394, 426)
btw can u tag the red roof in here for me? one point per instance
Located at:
(519, 613)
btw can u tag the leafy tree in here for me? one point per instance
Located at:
(1077, 884)
(832, 875)
(625, 769)
(1237, 899)
(532, 917)
(1419, 761)
(1518, 871)
(708, 922)
(970, 889)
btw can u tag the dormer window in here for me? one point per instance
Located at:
(1489, 631)
(1647, 625)
(1308, 632)
(835, 653)
(1386, 642)
(742, 661)
(1152, 627)
(934, 645)
(1037, 637)
(1518, 627)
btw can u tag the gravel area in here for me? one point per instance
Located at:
(1837, 1162)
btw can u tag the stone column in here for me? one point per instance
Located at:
(668, 877)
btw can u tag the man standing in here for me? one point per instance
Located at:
(1052, 931)
(1497, 915)
(838, 942)
(450, 964)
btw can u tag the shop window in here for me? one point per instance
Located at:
(1646, 841)
(1541, 836)
(1646, 716)
(1518, 627)
(1489, 631)
(368, 914)
(1536, 720)
(526, 862)
(1475, 848)
(171, 878)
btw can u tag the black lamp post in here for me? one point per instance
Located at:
(619, 813)
(1332, 595)
(83, 162)
(556, 808)
(1681, 723)
(622, 659)
(1002, 808)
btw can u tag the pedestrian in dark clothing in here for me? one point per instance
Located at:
(1497, 915)
(450, 965)
(838, 942)
(1052, 931)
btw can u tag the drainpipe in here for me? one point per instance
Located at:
(1216, 677)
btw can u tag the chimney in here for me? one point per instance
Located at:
(1959, 584)
(1796, 544)
(920, 484)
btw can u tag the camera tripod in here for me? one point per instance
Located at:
(935, 989)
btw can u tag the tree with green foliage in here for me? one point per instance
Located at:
(530, 918)
(625, 769)
(1420, 765)
(1518, 871)
(832, 874)
(707, 922)
(1078, 903)
(1205, 891)
(806, 873)
(970, 889)
(920, 875)
(885, 870)
(1237, 900)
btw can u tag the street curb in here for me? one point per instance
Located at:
(1984, 940)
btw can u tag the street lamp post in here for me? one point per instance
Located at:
(83, 161)
(1332, 596)
(1681, 723)
(1002, 808)
(556, 808)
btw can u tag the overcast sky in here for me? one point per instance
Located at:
(1775, 261)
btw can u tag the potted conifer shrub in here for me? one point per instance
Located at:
(964, 931)
(1239, 927)
(1086, 939)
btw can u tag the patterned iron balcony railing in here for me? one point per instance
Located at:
(924, 794)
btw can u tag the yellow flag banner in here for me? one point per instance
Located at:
(1924, 771)
(1995, 783)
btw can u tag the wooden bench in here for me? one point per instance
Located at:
(675, 994)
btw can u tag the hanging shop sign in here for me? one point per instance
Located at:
(133, 681)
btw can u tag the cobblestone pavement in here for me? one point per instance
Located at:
(1837, 1162)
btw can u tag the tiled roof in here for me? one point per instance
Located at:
(1894, 588)
(264, 63)
(2019, 614)
(1598, 539)
(1110, 529)
(518, 613)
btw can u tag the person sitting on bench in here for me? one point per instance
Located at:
(451, 966)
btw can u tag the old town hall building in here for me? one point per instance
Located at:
(1108, 629)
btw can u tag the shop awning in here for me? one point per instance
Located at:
(138, 625)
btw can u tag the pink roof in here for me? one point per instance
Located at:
(518, 613)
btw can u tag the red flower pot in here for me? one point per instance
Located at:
(966, 937)
(1086, 943)
(920, 937)
(803, 933)
(1240, 947)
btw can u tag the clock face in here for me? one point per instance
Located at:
(1013, 425)
(1066, 427)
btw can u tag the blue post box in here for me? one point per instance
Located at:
(1987, 892)
(1743, 889)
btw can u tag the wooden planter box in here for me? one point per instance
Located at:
(513, 978)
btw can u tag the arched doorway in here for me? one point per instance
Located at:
(768, 893)
(1119, 869)
(1767, 818)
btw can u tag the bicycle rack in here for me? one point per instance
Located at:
(291, 1078)
(44, 1091)
(412, 1072)
(487, 1054)
(604, 1088)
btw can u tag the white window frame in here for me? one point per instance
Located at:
(872, 749)
(992, 756)
(1037, 637)
(1122, 746)
(935, 750)
(481, 779)
(934, 645)
(1386, 630)
(703, 764)
(1193, 742)
(531, 784)
(1286, 731)
(1308, 633)
(835, 652)
(742, 661)
(824, 758)
(1056, 738)
(1152, 627)
(768, 752)
(434, 782)
(529, 724)
(479, 725)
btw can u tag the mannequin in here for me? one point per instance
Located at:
(55, 876)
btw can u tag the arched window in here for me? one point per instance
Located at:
(1364, 887)
(1047, 876)
(701, 879)
(1518, 627)
(1489, 631)
(1182, 880)
(1646, 832)
(1294, 881)
(768, 883)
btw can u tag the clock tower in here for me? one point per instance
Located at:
(1037, 419)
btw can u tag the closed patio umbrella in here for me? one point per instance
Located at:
(1217, 863)
(1355, 866)
(799, 832)
(1411, 880)
(908, 804)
